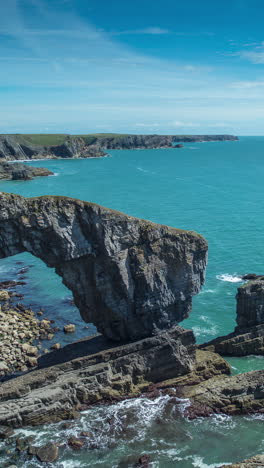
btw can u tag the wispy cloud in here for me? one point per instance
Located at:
(151, 30)
(247, 84)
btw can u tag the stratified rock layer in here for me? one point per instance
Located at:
(248, 336)
(89, 371)
(130, 277)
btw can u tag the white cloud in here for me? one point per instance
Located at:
(177, 123)
(152, 30)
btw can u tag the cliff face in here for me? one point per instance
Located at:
(248, 336)
(85, 146)
(129, 277)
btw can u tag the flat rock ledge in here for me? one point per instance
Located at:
(254, 462)
(90, 371)
(130, 277)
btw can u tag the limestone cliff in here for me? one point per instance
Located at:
(130, 277)
(85, 146)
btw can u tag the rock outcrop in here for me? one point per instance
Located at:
(86, 146)
(248, 336)
(90, 371)
(240, 394)
(254, 462)
(130, 277)
(18, 171)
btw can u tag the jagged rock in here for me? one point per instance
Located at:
(18, 171)
(90, 371)
(250, 304)
(248, 336)
(130, 277)
(240, 394)
(254, 462)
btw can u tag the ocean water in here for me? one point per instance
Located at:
(213, 188)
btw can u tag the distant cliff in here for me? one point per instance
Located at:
(52, 146)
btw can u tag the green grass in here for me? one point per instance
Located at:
(54, 139)
(42, 139)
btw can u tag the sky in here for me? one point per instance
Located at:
(132, 66)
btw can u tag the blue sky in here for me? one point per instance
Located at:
(139, 66)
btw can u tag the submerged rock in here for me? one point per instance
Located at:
(129, 277)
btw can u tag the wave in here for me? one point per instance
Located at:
(199, 463)
(230, 278)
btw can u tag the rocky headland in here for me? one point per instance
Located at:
(14, 147)
(134, 280)
(248, 336)
(19, 171)
(130, 277)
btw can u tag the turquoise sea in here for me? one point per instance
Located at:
(215, 189)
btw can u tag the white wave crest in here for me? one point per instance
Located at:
(199, 463)
(229, 278)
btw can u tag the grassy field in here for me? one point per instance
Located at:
(54, 139)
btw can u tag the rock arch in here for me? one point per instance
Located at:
(128, 276)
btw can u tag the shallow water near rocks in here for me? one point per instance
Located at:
(216, 190)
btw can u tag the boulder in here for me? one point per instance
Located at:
(69, 328)
(47, 453)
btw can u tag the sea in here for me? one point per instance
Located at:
(214, 188)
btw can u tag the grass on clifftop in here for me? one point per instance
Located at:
(54, 139)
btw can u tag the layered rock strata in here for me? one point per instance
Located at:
(130, 277)
(18, 171)
(85, 146)
(240, 394)
(89, 371)
(248, 336)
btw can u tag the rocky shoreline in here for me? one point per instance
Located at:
(134, 280)
(15, 147)
(19, 171)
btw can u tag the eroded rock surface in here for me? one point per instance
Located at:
(239, 394)
(130, 277)
(89, 371)
(248, 336)
(18, 171)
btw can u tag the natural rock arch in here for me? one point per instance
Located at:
(128, 276)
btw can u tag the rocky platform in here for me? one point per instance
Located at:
(18, 171)
(130, 277)
(248, 336)
(90, 371)
(86, 146)
(254, 462)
